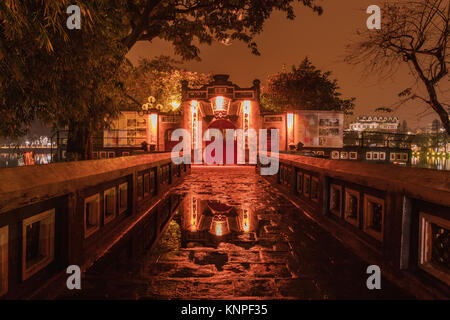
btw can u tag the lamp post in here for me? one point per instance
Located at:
(151, 113)
(289, 129)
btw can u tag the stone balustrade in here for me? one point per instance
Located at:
(72, 213)
(392, 216)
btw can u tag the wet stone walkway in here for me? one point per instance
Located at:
(236, 237)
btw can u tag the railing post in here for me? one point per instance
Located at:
(406, 233)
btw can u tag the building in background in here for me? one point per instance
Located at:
(375, 123)
(221, 105)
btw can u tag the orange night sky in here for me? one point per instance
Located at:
(323, 39)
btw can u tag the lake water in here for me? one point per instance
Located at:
(437, 163)
(16, 160)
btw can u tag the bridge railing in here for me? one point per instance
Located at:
(72, 213)
(395, 217)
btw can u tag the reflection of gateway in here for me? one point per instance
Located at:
(210, 222)
(219, 225)
(218, 207)
(219, 222)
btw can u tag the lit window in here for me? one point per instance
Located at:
(109, 204)
(374, 216)
(433, 250)
(91, 215)
(123, 197)
(351, 213)
(38, 237)
(3, 260)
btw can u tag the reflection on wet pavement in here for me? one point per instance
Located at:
(236, 237)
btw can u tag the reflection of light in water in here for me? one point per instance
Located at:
(245, 220)
(431, 162)
(18, 159)
(194, 223)
(194, 214)
(219, 225)
(219, 229)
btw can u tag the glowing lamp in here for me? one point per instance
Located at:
(220, 103)
(154, 119)
(194, 106)
(220, 106)
(175, 105)
(290, 120)
(152, 129)
(247, 106)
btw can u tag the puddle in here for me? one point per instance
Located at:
(241, 239)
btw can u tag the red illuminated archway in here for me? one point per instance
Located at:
(223, 125)
(168, 144)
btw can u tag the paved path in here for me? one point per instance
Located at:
(267, 250)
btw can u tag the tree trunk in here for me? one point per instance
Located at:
(443, 114)
(79, 142)
(434, 102)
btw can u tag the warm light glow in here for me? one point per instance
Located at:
(194, 106)
(246, 120)
(247, 106)
(246, 220)
(290, 120)
(219, 229)
(220, 103)
(290, 129)
(219, 226)
(194, 219)
(154, 119)
(194, 223)
(152, 129)
(175, 105)
(194, 119)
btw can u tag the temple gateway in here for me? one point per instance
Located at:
(222, 105)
